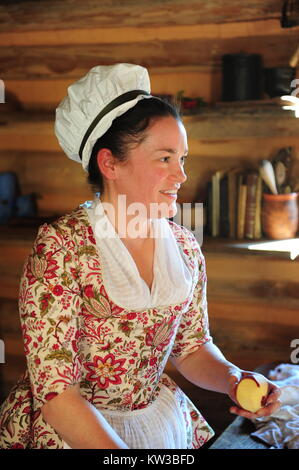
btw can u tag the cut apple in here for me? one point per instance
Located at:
(251, 392)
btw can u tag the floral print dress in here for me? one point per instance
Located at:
(74, 333)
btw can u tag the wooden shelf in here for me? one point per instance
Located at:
(18, 235)
(222, 121)
(242, 119)
(287, 249)
(252, 107)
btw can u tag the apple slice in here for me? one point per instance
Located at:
(251, 392)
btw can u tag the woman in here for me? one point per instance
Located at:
(107, 298)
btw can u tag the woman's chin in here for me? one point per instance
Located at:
(158, 210)
(169, 212)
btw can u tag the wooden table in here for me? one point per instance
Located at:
(237, 436)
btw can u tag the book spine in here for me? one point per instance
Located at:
(224, 208)
(209, 209)
(249, 229)
(232, 204)
(215, 205)
(242, 195)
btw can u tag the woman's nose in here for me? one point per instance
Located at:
(179, 174)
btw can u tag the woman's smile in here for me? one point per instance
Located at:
(170, 194)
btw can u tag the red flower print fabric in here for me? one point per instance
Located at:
(74, 334)
(105, 370)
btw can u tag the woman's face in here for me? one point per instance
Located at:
(155, 168)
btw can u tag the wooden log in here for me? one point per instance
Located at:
(251, 268)
(9, 318)
(44, 62)
(247, 336)
(265, 284)
(12, 259)
(249, 309)
(277, 292)
(133, 34)
(238, 334)
(44, 94)
(14, 366)
(238, 125)
(31, 16)
(14, 347)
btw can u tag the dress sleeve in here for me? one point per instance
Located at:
(49, 307)
(193, 330)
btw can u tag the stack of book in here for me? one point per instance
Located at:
(233, 207)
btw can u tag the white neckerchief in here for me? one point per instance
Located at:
(172, 281)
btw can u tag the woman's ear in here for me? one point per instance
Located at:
(106, 163)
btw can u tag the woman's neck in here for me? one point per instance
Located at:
(135, 228)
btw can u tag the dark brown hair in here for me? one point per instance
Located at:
(127, 130)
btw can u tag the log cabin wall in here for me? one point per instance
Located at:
(46, 45)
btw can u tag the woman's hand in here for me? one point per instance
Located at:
(272, 402)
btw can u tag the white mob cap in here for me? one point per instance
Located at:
(93, 102)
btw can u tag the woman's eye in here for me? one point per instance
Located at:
(166, 159)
